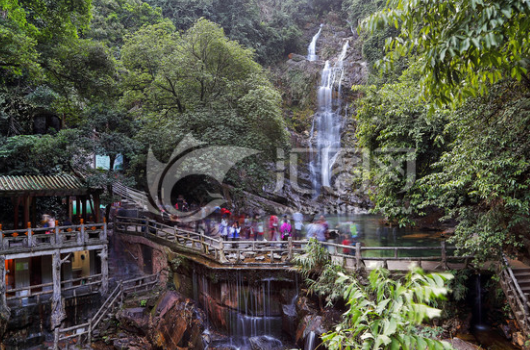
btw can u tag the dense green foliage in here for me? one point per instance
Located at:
(397, 129)
(463, 45)
(460, 108)
(114, 77)
(384, 313)
(271, 28)
(204, 84)
(483, 180)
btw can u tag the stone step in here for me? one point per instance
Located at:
(521, 272)
(525, 289)
(524, 281)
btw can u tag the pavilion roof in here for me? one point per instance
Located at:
(40, 185)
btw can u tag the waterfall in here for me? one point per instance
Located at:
(312, 48)
(249, 312)
(480, 323)
(310, 341)
(327, 123)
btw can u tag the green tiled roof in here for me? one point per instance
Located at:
(41, 184)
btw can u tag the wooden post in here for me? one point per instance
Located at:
(30, 236)
(104, 234)
(222, 257)
(97, 212)
(90, 333)
(1, 238)
(58, 313)
(57, 236)
(290, 248)
(84, 200)
(34, 211)
(104, 255)
(16, 202)
(27, 203)
(444, 257)
(358, 256)
(5, 312)
(81, 235)
(203, 245)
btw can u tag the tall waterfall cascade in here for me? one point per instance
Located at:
(327, 123)
(312, 48)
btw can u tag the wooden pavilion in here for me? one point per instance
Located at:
(23, 191)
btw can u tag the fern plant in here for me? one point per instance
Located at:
(320, 273)
(313, 261)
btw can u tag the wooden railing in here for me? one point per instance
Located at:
(23, 296)
(515, 296)
(59, 236)
(123, 288)
(273, 252)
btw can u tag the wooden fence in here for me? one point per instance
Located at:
(85, 330)
(247, 252)
(30, 239)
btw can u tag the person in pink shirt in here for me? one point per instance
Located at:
(286, 230)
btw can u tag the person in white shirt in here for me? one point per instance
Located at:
(298, 219)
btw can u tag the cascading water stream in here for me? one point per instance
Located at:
(251, 316)
(327, 123)
(479, 301)
(312, 48)
(310, 341)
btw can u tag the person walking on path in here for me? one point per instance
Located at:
(223, 228)
(286, 230)
(298, 219)
(235, 229)
(273, 228)
(259, 231)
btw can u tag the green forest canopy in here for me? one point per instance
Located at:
(453, 89)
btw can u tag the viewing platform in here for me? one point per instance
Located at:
(278, 254)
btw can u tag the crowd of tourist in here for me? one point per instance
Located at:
(236, 227)
(273, 228)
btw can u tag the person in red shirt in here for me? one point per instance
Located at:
(273, 228)
(346, 241)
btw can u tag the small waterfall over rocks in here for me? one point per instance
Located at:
(312, 49)
(327, 123)
(250, 312)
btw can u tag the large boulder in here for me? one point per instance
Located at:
(134, 320)
(176, 323)
(173, 323)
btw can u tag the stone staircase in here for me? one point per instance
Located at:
(523, 279)
(88, 330)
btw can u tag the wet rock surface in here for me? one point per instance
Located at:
(134, 320)
(174, 322)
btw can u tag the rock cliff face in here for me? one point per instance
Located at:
(173, 323)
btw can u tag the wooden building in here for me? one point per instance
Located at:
(53, 263)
